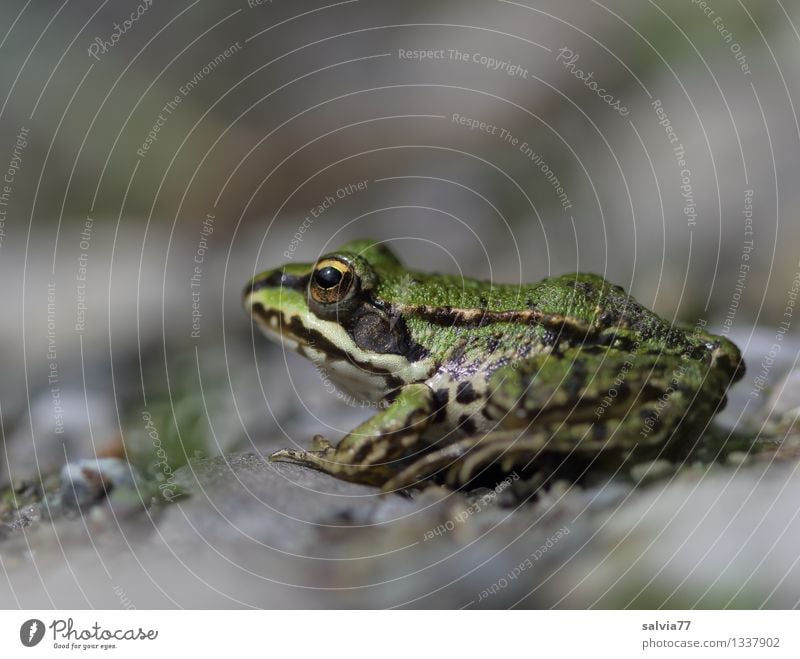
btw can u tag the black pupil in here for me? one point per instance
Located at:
(328, 277)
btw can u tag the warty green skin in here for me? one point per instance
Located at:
(476, 377)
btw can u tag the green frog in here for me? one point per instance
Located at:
(474, 379)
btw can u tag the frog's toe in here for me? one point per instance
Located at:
(320, 443)
(285, 455)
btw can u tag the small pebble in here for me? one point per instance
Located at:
(649, 471)
(85, 482)
(738, 457)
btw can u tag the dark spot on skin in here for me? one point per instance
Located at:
(608, 317)
(392, 381)
(462, 369)
(575, 379)
(610, 339)
(407, 347)
(264, 314)
(441, 397)
(416, 352)
(551, 337)
(363, 451)
(466, 394)
(498, 364)
(524, 350)
(467, 424)
(458, 352)
(392, 396)
(646, 415)
(646, 329)
(317, 340)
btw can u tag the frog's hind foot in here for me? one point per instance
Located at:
(316, 459)
(468, 460)
(320, 457)
(335, 462)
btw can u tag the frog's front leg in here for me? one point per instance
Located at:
(369, 454)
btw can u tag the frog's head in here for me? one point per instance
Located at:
(329, 312)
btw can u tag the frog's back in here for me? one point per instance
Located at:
(574, 294)
(508, 321)
(618, 320)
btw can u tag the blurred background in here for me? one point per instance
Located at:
(157, 155)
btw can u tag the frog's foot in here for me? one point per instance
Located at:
(322, 455)
(320, 443)
(322, 460)
(370, 453)
(339, 462)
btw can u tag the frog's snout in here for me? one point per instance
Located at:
(277, 278)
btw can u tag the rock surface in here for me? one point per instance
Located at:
(254, 534)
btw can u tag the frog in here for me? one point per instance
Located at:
(474, 379)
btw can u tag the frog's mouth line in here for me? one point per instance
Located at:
(307, 340)
(294, 330)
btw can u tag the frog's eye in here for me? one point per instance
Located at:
(330, 281)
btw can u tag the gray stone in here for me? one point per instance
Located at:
(250, 533)
(85, 482)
